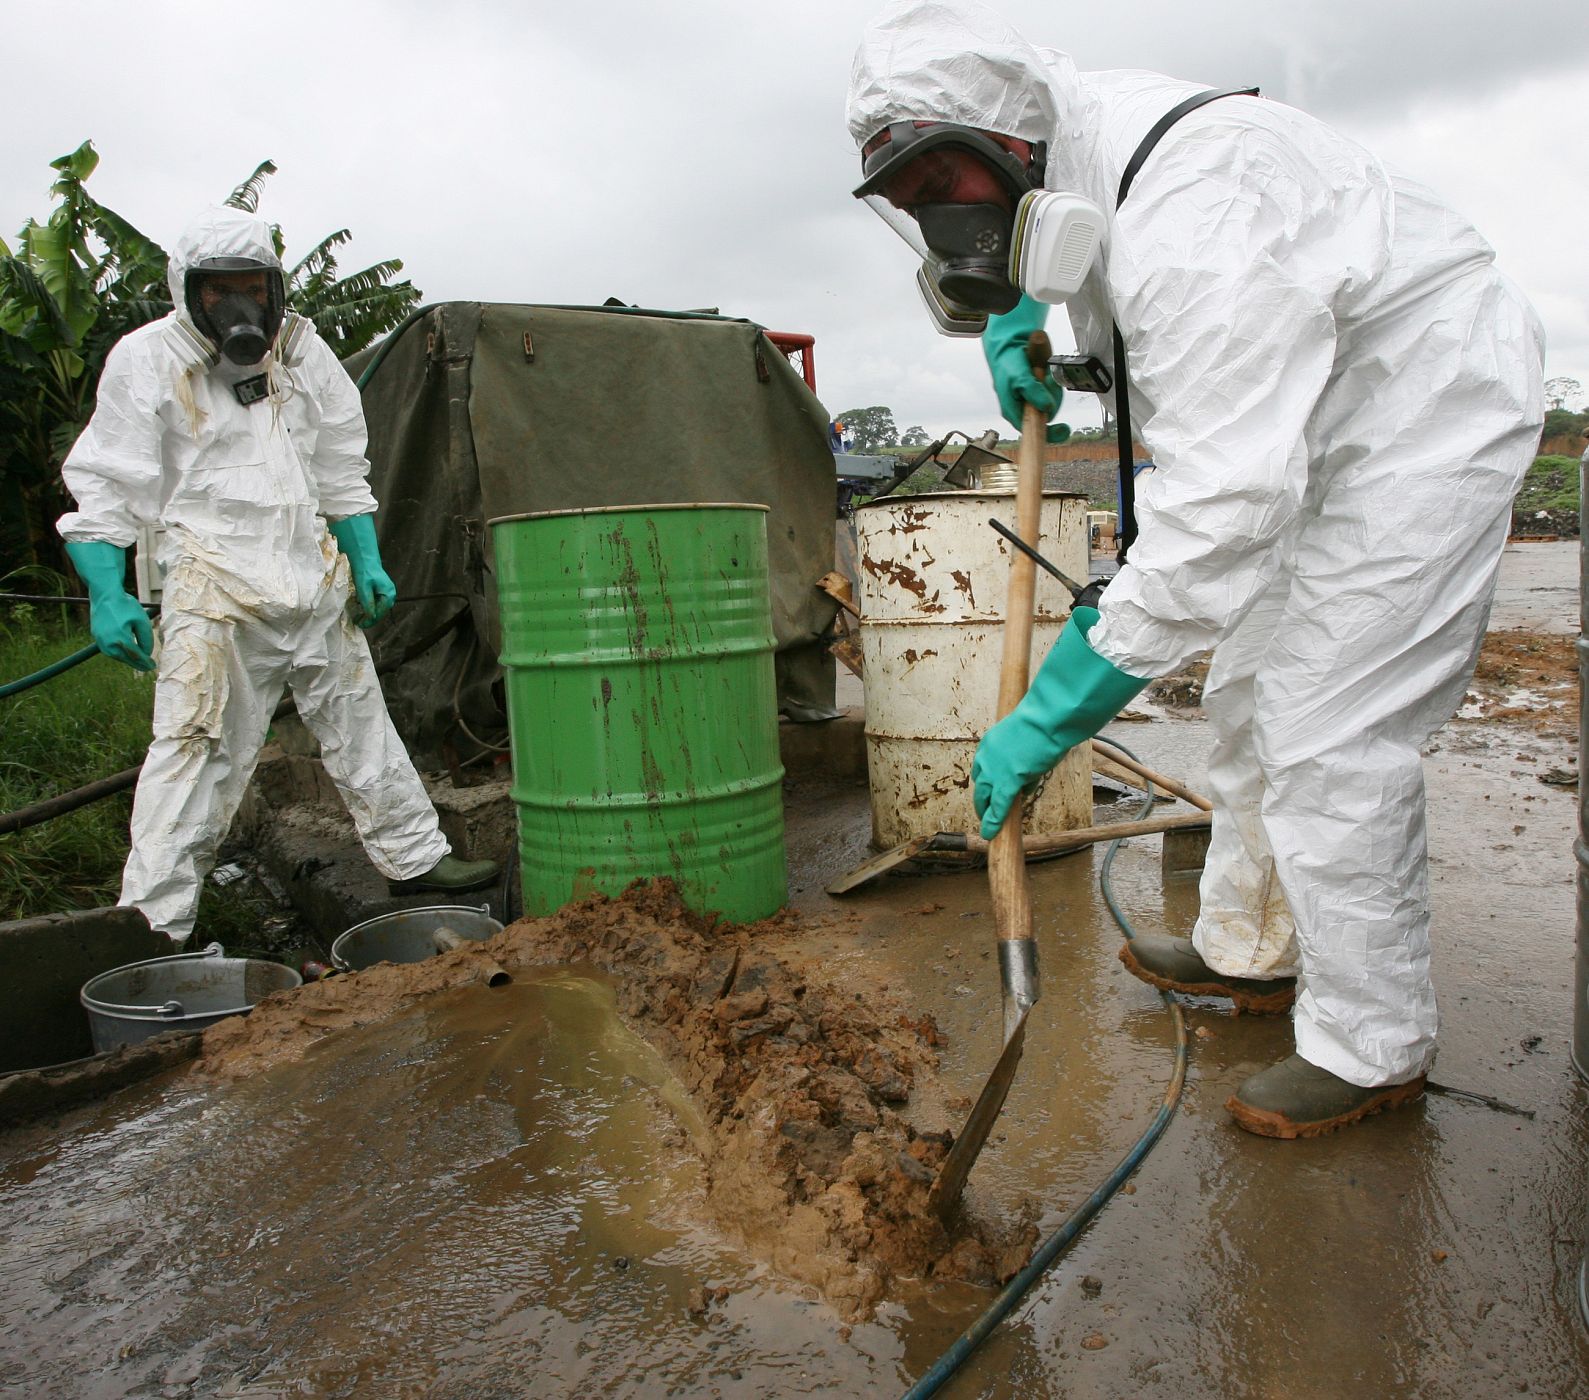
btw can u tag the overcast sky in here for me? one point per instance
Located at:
(696, 155)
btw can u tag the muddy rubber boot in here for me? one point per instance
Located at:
(1296, 1099)
(449, 876)
(1172, 965)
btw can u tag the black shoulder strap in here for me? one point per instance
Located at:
(1128, 486)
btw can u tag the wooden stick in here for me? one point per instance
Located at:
(1159, 780)
(837, 587)
(1092, 835)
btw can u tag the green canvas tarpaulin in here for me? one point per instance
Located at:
(483, 410)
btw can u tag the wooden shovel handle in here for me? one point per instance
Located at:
(1012, 905)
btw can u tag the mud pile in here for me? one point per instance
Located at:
(1529, 678)
(801, 1083)
(1524, 677)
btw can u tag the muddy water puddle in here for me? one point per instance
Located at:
(494, 1194)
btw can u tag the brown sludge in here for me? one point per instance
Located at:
(810, 1162)
(1521, 676)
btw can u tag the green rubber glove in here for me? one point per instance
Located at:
(355, 537)
(1004, 345)
(1074, 694)
(117, 619)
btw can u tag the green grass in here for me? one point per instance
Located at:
(1551, 484)
(86, 723)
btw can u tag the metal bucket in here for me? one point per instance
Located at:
(934, 581)
(410, 935)
(638, 647)
(184, 993)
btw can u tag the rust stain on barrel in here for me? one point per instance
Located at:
(895, 573)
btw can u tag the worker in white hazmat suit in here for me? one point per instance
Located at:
(233, 425)
(1341, 394)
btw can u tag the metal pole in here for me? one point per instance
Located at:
(1580, 1014)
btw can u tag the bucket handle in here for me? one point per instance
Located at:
(169, 1009)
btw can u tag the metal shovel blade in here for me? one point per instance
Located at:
(879, 864)
(984, 1113)
(1018, 976)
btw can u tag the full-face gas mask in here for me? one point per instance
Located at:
(978, 254)
(242, 327)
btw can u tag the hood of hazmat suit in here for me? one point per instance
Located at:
(1339, 393)
(230, 244)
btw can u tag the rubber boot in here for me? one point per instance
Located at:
(1172, 965)
(449, 876)
(1297, 1099)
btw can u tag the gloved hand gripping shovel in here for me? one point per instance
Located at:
(1012, 906)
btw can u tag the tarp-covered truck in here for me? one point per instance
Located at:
(479, 410)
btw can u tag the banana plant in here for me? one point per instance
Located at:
(353, 310)
(73, 286)
(349, 311)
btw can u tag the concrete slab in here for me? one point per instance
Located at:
(1428, 1253)
(1538, 589)
(45, 961)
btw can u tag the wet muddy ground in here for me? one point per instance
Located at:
(500, 1191)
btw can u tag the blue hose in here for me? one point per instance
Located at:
(1062, 1238)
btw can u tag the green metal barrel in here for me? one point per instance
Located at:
(637, 644)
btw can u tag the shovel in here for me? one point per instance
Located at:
(1012, 905)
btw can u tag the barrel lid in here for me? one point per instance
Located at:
(627, 510)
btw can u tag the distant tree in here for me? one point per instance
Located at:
(915, 437)
(1560, 422)
(1562, 392)
(873, 427)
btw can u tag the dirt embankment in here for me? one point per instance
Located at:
(803, 1084)
(1544, 525)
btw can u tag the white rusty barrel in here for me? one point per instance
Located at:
(934, 578)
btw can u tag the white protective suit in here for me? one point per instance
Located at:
(1341, 395)
(256, 591)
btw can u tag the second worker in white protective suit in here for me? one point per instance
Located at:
(1341, 394)
(233, 425)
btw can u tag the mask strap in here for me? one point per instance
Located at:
(1128, 480)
